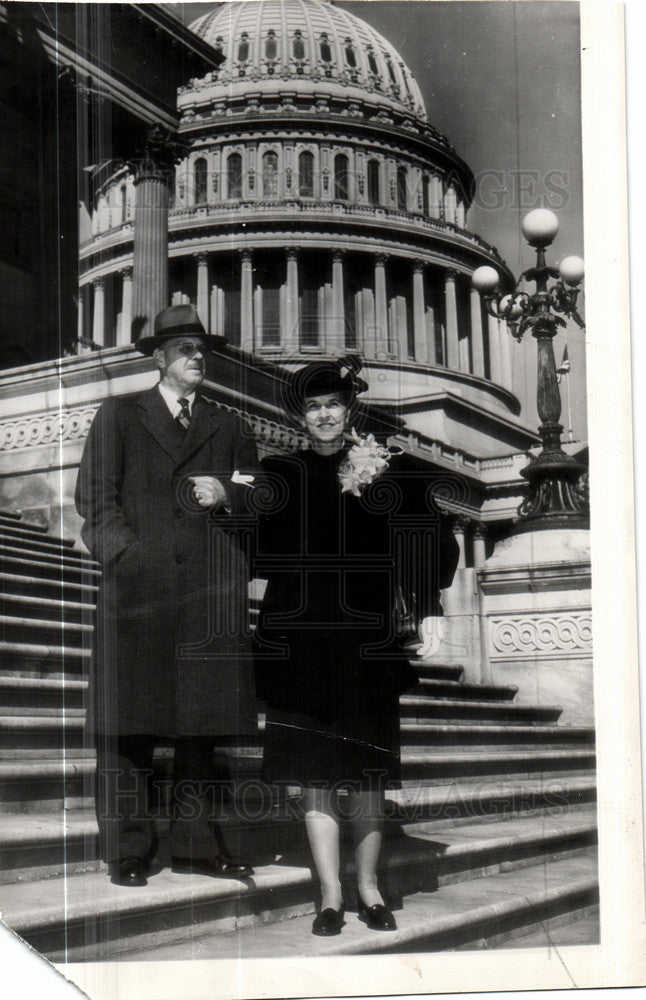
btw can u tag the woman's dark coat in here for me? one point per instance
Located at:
(171, 645)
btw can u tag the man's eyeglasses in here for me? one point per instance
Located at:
(188, 349)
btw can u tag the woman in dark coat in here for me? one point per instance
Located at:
(338, 558)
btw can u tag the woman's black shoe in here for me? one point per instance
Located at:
(329, 922)
(377, 917)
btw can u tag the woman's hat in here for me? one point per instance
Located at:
(178, 321)
(321, 378)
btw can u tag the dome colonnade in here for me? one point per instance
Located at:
(316, 210)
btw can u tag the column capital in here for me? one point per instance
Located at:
(381, 259)
(338, 254)
(418, 265)
(292, 253)
(98, 282)
(246, 256)
(201, 257)
(156, 160)
(451, 274)
(480, 530)
(126, 272)
(462, 524)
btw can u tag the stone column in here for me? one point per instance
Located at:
(338, 303)
(381, 306)
(369, 338)
(80, 316)
(216, 310)
(476, 334)
(124, 333)
(419, 314)
(479, 548)
(154, 170)
(246, 301)
(459, 529)
(291, 333)
(495, 360)
(203, 288)
(98, 317)
(505, 355)
(452, 336)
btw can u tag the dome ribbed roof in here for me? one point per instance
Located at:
(309, 42)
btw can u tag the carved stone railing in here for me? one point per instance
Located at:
(58, 426)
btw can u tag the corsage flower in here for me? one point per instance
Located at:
(365, 460)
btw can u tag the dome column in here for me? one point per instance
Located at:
(291, 332)
(203, 288)
(452, 335)
(124, 333)
(479, 546)
(477, 342)
(154, 171)
(216, 312)
(80, 316)
(419, 314)
(381, 306)
(495, 358)
(98, 316)
(505, 355)
(338, 304)
(246, 301)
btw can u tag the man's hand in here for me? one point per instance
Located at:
(209, 491)
(431, 630)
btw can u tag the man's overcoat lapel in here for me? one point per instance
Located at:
(156, 418)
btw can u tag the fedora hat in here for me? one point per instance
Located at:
(177, 321)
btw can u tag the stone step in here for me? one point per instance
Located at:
(30, 606)
(43, 845)
(417, 709)
(17, 584)
(34, 535)
(47, 782)
(30, 564)
(430, 687)
(70, 559)
(92, 919)
(435, 735)
(436, 671)
(11, 516)
(35, 695)
(40, 659)
(38, 630)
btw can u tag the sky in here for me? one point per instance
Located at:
(501, 80)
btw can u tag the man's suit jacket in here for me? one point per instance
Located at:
(171, 645)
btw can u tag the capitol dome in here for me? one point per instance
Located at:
(309, 43)
(317, 211)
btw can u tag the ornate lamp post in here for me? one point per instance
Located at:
(557, 497)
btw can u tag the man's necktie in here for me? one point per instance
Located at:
(183, 418)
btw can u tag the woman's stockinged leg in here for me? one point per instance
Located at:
(366, 813)
(322, 825)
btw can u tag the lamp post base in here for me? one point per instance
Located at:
(558, 496)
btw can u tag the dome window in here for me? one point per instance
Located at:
(402, 197)
(298, 46)
(270, 175)
(391, 73)
(306, 175)
(426, 201)
(373, 182)
(372, 63)
(243, 48)
(341, 177)
(326, 51)
(234, 176)
(350, 56)
(271, 46)
(199, 180)
(124, 204)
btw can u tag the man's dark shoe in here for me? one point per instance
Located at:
(216, 867)
(128, 871)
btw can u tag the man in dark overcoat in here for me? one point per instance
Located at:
(163, 488)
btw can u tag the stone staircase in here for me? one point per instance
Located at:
(492, 837)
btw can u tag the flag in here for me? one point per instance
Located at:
(564, 367)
